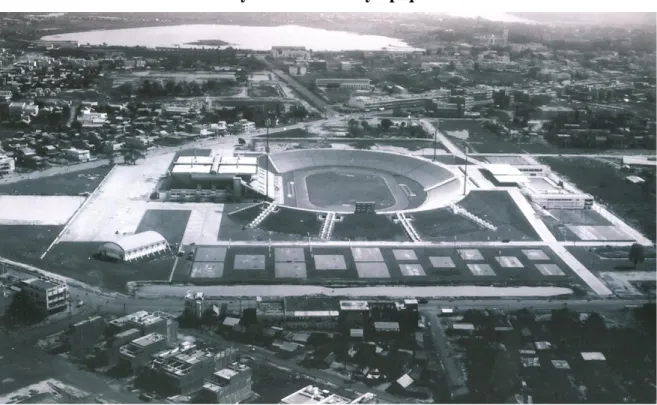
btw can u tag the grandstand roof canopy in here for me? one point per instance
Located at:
(503, 170)
(237, 169)
(504, 173)
(194, 160)
(139, 240)
(191, 169)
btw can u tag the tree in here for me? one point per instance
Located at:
(131, 155)
(637, 254)
(386, 123)
(352, 127)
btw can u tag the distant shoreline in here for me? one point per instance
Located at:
(209, 42)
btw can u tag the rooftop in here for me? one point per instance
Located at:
(41, 284)
(314, 395)
(354, 306)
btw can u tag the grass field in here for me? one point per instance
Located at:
(85, 181)
(233, 226)
(391, 266)
(75, 260)
(501, 210)
(368, 227)
(610, 188)
(336, 188)
(480, 140)
(26, 243)
(597, 262)
(169, 223)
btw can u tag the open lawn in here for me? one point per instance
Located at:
(596, 259)
(500, 209)
(75, 260)
(368, 227)
(609, 187)
(339, 188)
(233, 225)
(471, 133)
(291, 222)
(26, 243)
(169, 223)
(75, 183)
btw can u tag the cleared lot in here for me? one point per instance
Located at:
(37, 210)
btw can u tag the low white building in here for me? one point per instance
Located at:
(349, 84)
(135, 246)
(296, 52)
(79, 155)
(297, 70)
(46, 294)
(245, 126)
(565, 201)
(7, 164)
(90, 119)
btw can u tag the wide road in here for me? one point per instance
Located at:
(317, 102)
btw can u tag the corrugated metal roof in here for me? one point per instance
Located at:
(139, 240)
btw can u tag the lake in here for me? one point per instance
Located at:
(244, 37)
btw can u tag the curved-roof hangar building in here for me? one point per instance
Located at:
(133, 247)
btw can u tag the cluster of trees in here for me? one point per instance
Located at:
(257, 115)
(174, 88)
(386, 125)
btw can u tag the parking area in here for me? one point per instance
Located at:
(321, 265)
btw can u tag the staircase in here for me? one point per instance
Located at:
(261, 217)
(327, 226)
(458, 210)
(408, 227)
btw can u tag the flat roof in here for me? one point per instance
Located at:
(640, 160)
(503, 170)
(510, 179)
(194, 160)
(354, 306)
(148, 339)
(239, 160)
(182, 169)
(386, 325)
(237, 169)
(593, 356)
(226, 373)
(42, 284)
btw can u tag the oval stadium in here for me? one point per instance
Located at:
(336, 180)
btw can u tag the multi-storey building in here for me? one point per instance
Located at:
(315, 395)
(137, 353)
(48, 295)
(185, 373)
(158, 322)
(7, 165)
(230, 385)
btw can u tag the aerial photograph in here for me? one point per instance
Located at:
(328, 208)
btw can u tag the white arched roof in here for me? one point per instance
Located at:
(139, 240)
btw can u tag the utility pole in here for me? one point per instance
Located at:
(435, 140)
(465, 183)
(267, 124)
